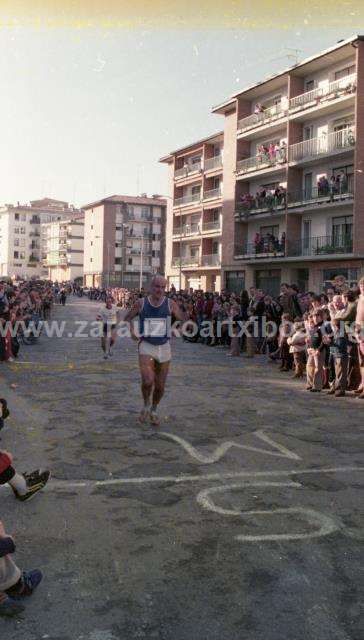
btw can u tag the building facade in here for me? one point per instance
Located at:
(62, 249)
(293, 175)
(194, 219)
(124, 240)
(20, 236)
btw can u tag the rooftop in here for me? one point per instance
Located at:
(169, 157)
(305, 66)
(116, 199)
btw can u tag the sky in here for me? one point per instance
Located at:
(87, 112)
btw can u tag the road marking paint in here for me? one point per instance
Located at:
(62, 484)
(223, 448)
(325, 525)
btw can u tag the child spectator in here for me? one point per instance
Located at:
(25, 485)
(14, 583)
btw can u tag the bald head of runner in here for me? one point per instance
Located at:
(157, 288)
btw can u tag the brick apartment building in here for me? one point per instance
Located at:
(293, 177)
(194, 221)
(124, 240)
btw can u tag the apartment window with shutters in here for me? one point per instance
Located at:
(16, 230)
(16, 216)
(16, 242)
(22, 230)
(343, 73)
(16, 254)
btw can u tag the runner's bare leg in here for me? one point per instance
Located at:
(161, 372)
(147, 372)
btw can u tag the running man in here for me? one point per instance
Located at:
(109, 316)
(154, 313)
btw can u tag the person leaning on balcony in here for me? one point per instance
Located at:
(343, 182)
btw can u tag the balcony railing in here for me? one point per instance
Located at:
(186, 261)
(322, 195)
(344, 139)
(321, 245)
(262, 161)
(209, 260)
(211, 226)
(331, 90)
(34, 233)
(213, 163)
(212, 193)
(185, 171)
(192, 197)
(271, 248)
(257, 119)
(254, 205)
(187, 230)
(34, 220)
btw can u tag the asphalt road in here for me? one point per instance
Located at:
(180, 534)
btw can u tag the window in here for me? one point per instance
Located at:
(195, 160)
(22, 230)
(271, 230)
(196, 190)
(16, 254)
(16, 216)
(22, 242)
(347, 71)
(91, 243)
(155, 254)
(308, 133)
(117, 260)
(22, 255)
(23, 217)
(92, 226)
(90, 259)
(342, 230)
(16, 230)
(306, 235)
(130, 261)
(16, 242)
(309, 85)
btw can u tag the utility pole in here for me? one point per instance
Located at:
(141, 262)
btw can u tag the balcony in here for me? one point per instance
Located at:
(270, 114)
(321, 196)
(212, 193)
(35, 234)
(209, 260)
(34, 220)
(211, 226)
(262, 161)
(213, 163)
(263, 250)
(335, 142)
(187, 170)
(251, 205)
(187, 230)
(321, 246)
(337, 89)
(191, 197)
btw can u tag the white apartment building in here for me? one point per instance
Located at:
(124, 240)
(62, 249)
(20, 236)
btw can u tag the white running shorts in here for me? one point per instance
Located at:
(159, 352)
